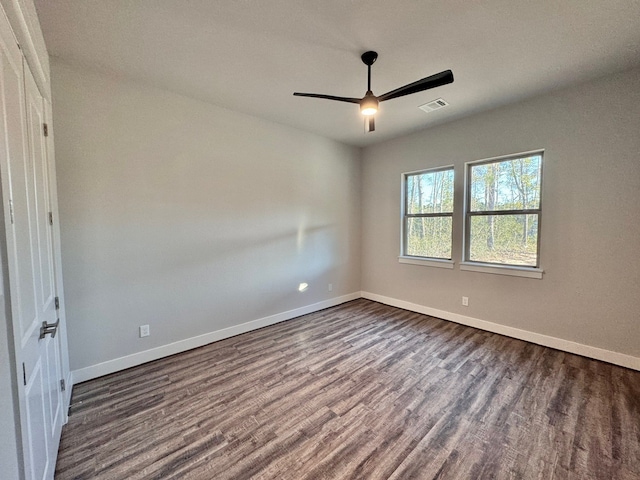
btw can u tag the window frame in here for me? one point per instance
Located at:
(491, 267)
(417, 259)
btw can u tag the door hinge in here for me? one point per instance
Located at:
(11, 210)
(50, 218)
(45, 129)
(57, 302)
(24, 374)
(62, 386)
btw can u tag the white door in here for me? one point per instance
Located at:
(49, 346)
(25, 196)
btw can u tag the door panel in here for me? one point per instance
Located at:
(44, 248)
(54, 389)
(37, 428)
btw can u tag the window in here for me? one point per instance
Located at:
(428, 211)
(502, 222)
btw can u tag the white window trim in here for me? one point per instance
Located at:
(512, 270)
(426, 261)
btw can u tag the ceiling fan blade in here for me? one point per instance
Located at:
(433, 81)
(328, 97)
(370, 123)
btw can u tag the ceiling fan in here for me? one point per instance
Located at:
(369, 103)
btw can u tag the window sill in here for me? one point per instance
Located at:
(426, 262)
(526, 272)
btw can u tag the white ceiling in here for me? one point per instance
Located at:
(251, 55)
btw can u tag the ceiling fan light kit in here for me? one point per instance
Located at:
(369, 103)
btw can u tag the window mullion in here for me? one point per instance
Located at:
(532, 211)
(428, 215)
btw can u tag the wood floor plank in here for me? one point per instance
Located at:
(358, 391)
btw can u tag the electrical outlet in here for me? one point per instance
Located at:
(465, 301)
(330, 287)
(144, 331)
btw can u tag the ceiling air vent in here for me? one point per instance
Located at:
(433, 105)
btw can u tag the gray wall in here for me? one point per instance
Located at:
(191, 218)
(590, 228)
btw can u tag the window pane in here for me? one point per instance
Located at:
(506, 185)
(505, 239)
(429, 237)
(430, 192)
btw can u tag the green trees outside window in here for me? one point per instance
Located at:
(503, 211)
(428, 213)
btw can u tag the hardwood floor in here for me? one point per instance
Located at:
(358, 391)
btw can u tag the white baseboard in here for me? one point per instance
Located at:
(609, 356)
(128, 361)
(117, 364)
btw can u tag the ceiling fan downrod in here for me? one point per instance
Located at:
(369, 58)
